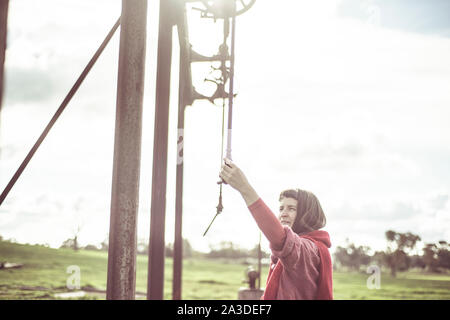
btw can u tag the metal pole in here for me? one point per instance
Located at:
(231, 85)
(127, 152)
(178, 243)
(184, 94)
(155, 284)
(3, 35)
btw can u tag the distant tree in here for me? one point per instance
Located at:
(227, 249)
(104, 246)
(436, 256)
(254, 252)
(443, 255)
(142, 246)
(75, 237)
(72, 242)
(68, 244)
(91, 247)
(430, 257)
(352, 256)
(399, 244)
(416, 261)
(169, 250)
(187, 249)
(379, 258)
(78, 222)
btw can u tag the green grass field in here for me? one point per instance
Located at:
(44, 274)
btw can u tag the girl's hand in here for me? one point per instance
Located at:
(233, 176)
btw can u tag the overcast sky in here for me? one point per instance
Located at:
(347, 99)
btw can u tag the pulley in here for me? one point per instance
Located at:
(220, 9)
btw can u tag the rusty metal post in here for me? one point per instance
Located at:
(155, 284)
(178, 241)
(121, 282)
(3, 35)
(184, 99)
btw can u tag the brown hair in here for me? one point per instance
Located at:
(310, 215)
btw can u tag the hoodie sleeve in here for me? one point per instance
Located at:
(268, 223)
(284, 243)
(297, 252)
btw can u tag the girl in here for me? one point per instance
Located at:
(301, 264)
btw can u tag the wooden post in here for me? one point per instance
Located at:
(184, 99)
(121, 282)
(3, 35)
(155, 284)
(178, 241)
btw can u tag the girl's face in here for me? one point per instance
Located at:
(288, 211)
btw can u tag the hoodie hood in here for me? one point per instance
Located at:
(318, 235)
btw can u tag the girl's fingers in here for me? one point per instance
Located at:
(228, 162)
(223, 176)
(226, 168)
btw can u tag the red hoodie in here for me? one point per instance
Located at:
(325, 284)
(309, 273)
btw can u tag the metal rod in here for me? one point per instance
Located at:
(3, 35)
(121, 280)
(184, 96)
(226, 32)
(178, 241)
(155, 284)
(55, 117)
(230, 92)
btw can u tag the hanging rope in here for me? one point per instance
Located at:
(219, 205)
(230, 77)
